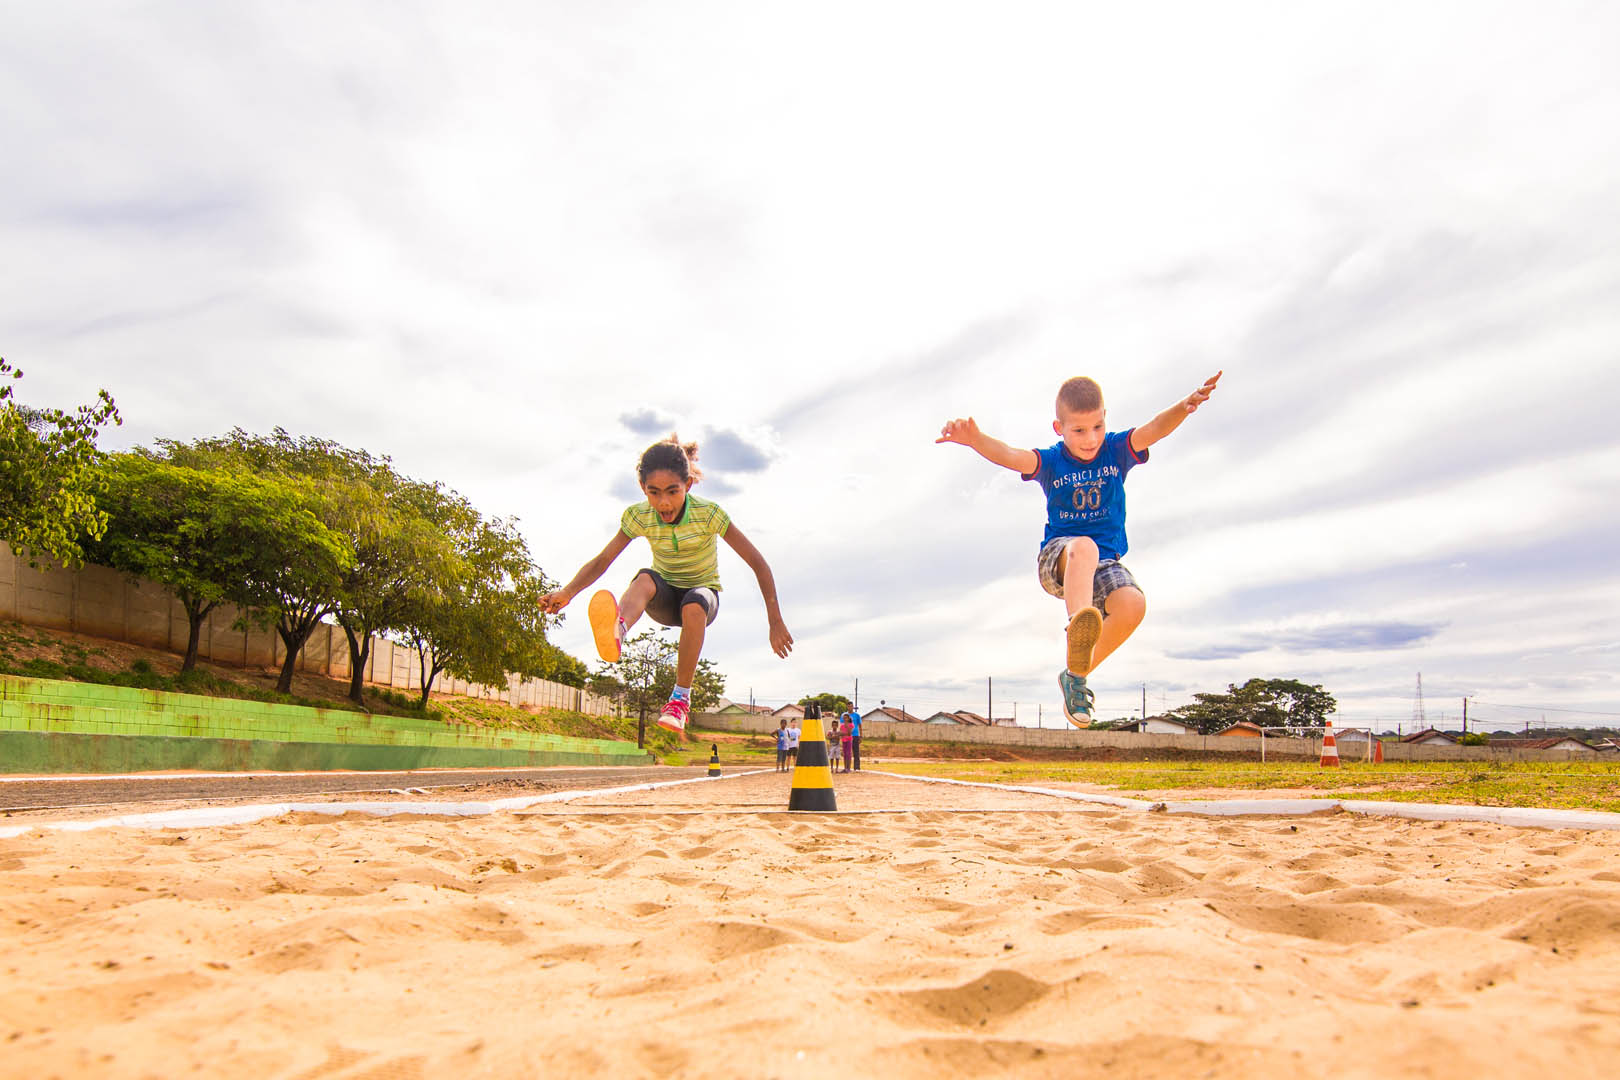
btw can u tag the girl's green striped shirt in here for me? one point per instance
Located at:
(685, 553)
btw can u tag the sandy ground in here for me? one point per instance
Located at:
(700, 930)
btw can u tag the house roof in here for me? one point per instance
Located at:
(1242, 727)
(1428, 735)
(889, 712)
(1540, 744)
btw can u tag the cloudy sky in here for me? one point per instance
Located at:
(510, 244)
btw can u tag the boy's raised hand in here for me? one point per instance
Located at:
(1201, 395)
(961, 431)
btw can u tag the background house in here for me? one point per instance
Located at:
(1243, 729)
(1566, 742)
(889, 712)
(1429, 735)
(1161, 725)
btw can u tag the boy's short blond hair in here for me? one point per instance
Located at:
(1079, 395)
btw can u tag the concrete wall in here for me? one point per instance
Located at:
(878, 731)
(105, 603)
(57, 726)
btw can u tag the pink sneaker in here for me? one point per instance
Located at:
(674, 715)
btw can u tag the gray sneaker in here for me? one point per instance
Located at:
(1078, 700)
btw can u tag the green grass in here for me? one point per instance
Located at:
(77, 662)
(1556, 785)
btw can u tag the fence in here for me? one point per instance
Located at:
(104, 603)
(1295, 748)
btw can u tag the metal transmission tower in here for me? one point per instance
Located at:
(1419, 721)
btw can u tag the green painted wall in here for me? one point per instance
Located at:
(55, 726)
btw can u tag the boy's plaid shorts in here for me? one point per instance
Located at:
(1111, 574)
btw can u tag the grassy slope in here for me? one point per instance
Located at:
(58, 654)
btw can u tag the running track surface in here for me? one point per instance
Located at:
(56, 792)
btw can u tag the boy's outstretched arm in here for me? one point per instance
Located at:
(557, 599)
(1167, 421)
(781, 640)
(966, 432)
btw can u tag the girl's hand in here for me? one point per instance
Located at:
(1201, 395)
(553, 602)
(781, 640)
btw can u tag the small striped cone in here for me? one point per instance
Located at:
(1330, 748)
(714, 759)
(812, 776)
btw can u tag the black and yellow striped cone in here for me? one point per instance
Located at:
(714, 759)
(812, 776)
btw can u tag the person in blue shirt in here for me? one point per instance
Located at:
(781, 746)
(855, 722)
(1083, 479)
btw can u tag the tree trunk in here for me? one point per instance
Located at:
(196, 612)
(430, 671)
(357, 661)
(295, 626)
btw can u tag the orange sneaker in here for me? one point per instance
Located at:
(674, 715)
(1085, 627)
(605, 625)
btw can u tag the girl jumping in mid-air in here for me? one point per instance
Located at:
(682, 588)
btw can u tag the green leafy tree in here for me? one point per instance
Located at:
(48, 475)
(488, 623)
(1266, 702)
(830, 703)
(298, 579)
(203, 534)
(402, 553)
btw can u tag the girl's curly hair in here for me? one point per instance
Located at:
(672, 455)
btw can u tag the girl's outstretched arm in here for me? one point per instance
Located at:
(556, 600)
(781, 640)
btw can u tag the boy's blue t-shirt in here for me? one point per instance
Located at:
(855, 718)
(1087, 498)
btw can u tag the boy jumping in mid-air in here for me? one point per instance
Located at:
(1083, 477)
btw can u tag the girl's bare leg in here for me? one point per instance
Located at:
(635, 600)
(694, 626)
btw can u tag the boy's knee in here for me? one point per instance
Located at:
(1126, 603)
(1083, 547)
(694, 615)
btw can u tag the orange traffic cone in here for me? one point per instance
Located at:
(1378, 751)
(1330, 748)
(812, 776)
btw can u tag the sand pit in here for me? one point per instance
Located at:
(697, 931)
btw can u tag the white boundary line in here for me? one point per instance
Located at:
(1519, 816)
(204, 817)
(207, 816)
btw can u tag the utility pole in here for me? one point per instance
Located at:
(1465, 716)
(1038, 722)
(857, 705)
(1144, 703)
(989, 700)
